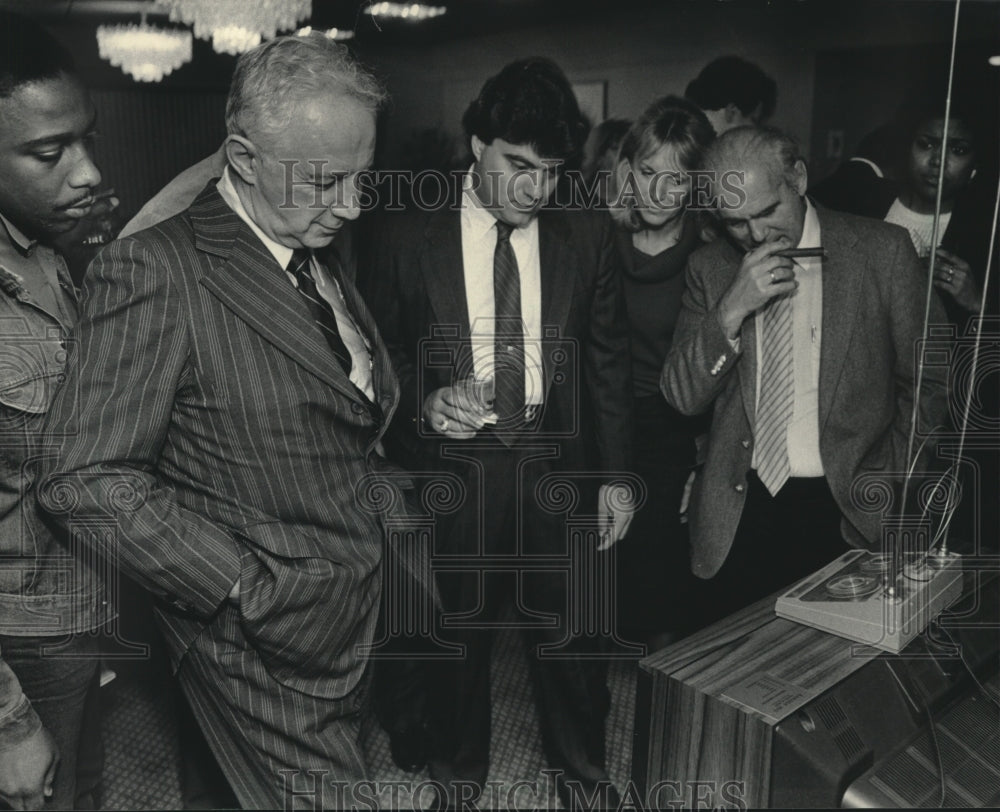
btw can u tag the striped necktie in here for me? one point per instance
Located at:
(508, 340)
(777, 394)
(300, 266)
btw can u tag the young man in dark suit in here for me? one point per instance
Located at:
(524, 305)
(228, 392)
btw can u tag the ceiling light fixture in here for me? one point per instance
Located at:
(236, 26)
(405, 11)
(330, 33)
(146, 53)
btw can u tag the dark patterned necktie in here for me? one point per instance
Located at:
(508, 342)
(322, 313)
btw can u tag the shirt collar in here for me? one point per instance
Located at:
(17, 237)
(810, 228)
(478, 220)
(281, 253)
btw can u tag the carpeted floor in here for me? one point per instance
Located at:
(140, 734)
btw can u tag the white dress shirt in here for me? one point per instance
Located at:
(802, 439)
(327, 287)
(479, 240)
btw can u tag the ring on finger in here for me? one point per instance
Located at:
(772, 276)
(444, 424)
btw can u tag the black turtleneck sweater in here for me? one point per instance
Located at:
(653, 289)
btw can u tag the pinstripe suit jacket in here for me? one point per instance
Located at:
(209, 420)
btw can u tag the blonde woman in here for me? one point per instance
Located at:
(651, 203)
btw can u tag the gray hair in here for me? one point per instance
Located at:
(735, 149)
(274, 77)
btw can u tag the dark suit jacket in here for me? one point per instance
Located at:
(873, 313)
(415, 285)
(211, 423)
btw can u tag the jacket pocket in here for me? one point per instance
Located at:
(303, 612)
(31, 370)
(32, 395)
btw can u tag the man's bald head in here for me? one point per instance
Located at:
(765, 167)
(764, 147)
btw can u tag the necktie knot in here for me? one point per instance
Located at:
(503, 231)
(299, 261)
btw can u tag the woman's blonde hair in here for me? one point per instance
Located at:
(669, 121)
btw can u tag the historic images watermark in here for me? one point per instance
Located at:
(313, 791)
(314, 184)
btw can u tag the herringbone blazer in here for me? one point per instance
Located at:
(872, 325)
(205, 416)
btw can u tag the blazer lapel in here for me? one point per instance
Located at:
(557, 265)
(748, 369)
(729, 266)
(841, 283)
(443, 269)
(256, 290)
(383, 380)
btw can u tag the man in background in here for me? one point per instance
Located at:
(807, 365)
(52, 603)
(230, 391)
(733, 92)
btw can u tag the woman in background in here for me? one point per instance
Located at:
(966, 198)
(657, 232)
(968, 189)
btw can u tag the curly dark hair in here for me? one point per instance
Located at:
(733, 80)
(530, 102)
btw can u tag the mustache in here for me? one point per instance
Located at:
(88, 199)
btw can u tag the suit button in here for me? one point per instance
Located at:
(745, 443)
(357, 408)
(739, 488)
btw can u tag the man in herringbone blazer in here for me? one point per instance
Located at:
(227, 393)
(856, 317)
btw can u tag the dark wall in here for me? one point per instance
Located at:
(850, 104)
(835, 64)
(644, 55)
(148, 137)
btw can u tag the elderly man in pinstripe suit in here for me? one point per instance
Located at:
(226, 394)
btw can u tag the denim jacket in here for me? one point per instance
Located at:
(45, 590)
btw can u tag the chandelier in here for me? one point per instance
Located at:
(236, 26)
(145, 52)
(405, 11)
(330, 33)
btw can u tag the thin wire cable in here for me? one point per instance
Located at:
(975, 353)
(961, 656)
(924, 711)
(895, 560)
